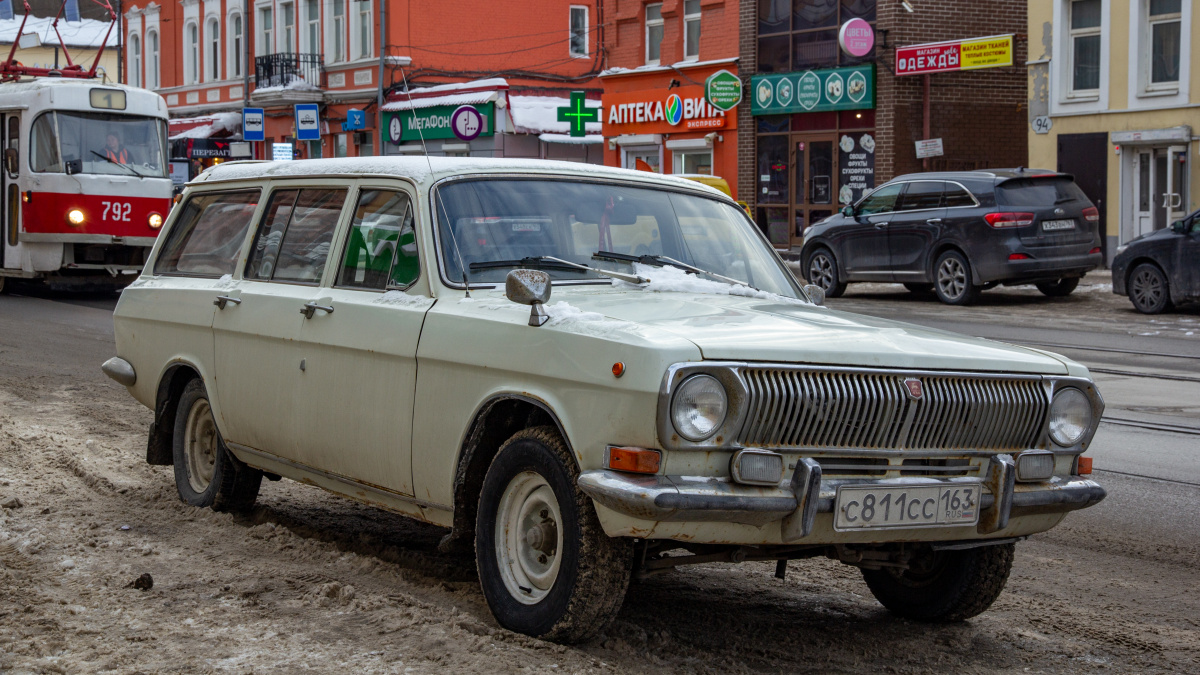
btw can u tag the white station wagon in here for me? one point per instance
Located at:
(384, 329)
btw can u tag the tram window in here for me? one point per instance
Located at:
(208, 234)
(43, 145)
(105, 143)
(14, 146)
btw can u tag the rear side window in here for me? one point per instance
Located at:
(382, 248)
(956, 195)
(208, 234)
(292, 243)
(925, 194)
(1038, 192)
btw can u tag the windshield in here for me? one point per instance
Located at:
(490, 221)
(101, 143)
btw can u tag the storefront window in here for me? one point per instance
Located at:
(643, 159)
(774, 54)
(768, 124)
(774, 16)
(815, 49)
(814, 14)
(773, 169)
(693, 162)
(804, 35)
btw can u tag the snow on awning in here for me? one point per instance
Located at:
(207, 126)
(539, 115)
(568, 138)
(472, 98)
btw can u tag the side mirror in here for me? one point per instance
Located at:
(1179, 226)
(11, 161)
(73, 166)
(815, 293)
(529, 287)
(848, 211)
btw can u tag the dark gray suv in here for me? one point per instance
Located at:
(959, 233)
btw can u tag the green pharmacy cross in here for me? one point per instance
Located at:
(577, 114)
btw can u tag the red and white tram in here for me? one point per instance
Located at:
(84, 185)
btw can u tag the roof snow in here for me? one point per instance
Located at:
(85, 33)
(539, 114)
(208, 126)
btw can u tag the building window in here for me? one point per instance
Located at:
(266, 31)
(578, 42)
(339, 33)
(691, 30)
(654, 34)
(192, 55)
(214, 49)
(1163, 23)
(313, 19)
(289, 27)
(803, 35)
(236, 46)
(152, 59)
(364, 30)
(339, 145)
(1085, 46)
(135, 61)
(692, 162)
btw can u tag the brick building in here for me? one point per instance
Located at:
(211, 58)
(796, 167)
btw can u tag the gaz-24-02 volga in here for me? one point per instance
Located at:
(384, 328)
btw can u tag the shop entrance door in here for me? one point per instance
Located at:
(1160, 188)
(814, 185)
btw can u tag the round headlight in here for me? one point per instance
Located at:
(75, 217)
(1070, 417)
(699, 406)
(154, 221)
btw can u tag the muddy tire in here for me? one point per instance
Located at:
(546, 567)
(821, 270)
(1058, 289)
(944, 586)
(952, 279)
(206, 473)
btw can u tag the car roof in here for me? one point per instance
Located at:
(997, 175)
(426, 171)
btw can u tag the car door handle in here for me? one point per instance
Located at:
(222, 300)
(880, 225)
(933, 221)
(311, 308)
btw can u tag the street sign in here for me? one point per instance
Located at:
(253, 128)
(466, 122)
(1041, 124)
(940, 57)
(355, 119)
(308, 122)
(436, 122)
(723, 90)
(282, 152)
(931, 147)
(577, 114)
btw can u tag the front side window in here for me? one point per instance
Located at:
(654, 34)
(922, 195)
(691, 30)
(381, 251)
(208, 234)
(882, 200)
(103, 143)
(494, 225)
(43, 145)
(1085, 22)
(578, 41)
(294, 235)
(1164, 26)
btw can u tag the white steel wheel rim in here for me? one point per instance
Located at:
(820, 271)
(529, 537)
(952, 277)
(200, 446)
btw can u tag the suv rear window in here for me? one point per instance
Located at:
(1038, 192)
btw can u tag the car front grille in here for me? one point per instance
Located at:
(899, 467)
(873, 410)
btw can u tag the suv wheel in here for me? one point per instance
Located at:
(822, 271)
(952, 279)
(1148, 289)
(1058, 289)
(944, 585)
(546, 567)
(206, 473)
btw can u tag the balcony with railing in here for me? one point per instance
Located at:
(293, 72)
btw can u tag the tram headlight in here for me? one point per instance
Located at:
(155, 221)
(75, 217)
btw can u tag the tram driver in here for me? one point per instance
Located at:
(113, 149)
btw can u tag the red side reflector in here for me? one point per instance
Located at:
(1091, 214)
(1085, 466)
(1008, 219)
(1095, 250)
(636, 460)
(1018, 256)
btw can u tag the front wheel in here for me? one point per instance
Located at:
(206, 473)
(1148, 290)
(546, 567)
(1058, 289)
(952, 279)
(944, 586)
(823, 271)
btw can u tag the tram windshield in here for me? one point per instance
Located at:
(99, 143)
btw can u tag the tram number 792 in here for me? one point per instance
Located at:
(119, 211)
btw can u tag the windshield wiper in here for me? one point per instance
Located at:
(123, 166)
(552, 263)
(661, 261)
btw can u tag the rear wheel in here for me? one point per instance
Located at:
(206, 473)
(546, 567)
(953, 279)
(1148, 289)
(944, 585)
(822, 271)
(1058, 289)
(914, 287)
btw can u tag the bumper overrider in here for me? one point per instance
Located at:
(701, 499)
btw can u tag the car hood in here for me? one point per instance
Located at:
(726, 327)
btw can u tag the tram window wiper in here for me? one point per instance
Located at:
(106, 158)
(552, 263)
(662, 261)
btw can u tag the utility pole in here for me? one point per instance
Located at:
(120, 43)
(382, 57)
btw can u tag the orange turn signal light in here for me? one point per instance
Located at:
(618, 369)
(1085, 466)
(635, 460)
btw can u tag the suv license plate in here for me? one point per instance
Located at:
(1054, 225)
(881, 507)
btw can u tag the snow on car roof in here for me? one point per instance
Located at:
(426, 170)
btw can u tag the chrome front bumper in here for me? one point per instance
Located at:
(701, 499)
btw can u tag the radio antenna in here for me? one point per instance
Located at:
(449, 225)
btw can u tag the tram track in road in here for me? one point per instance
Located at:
(1153, 426)
(1112, 350)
